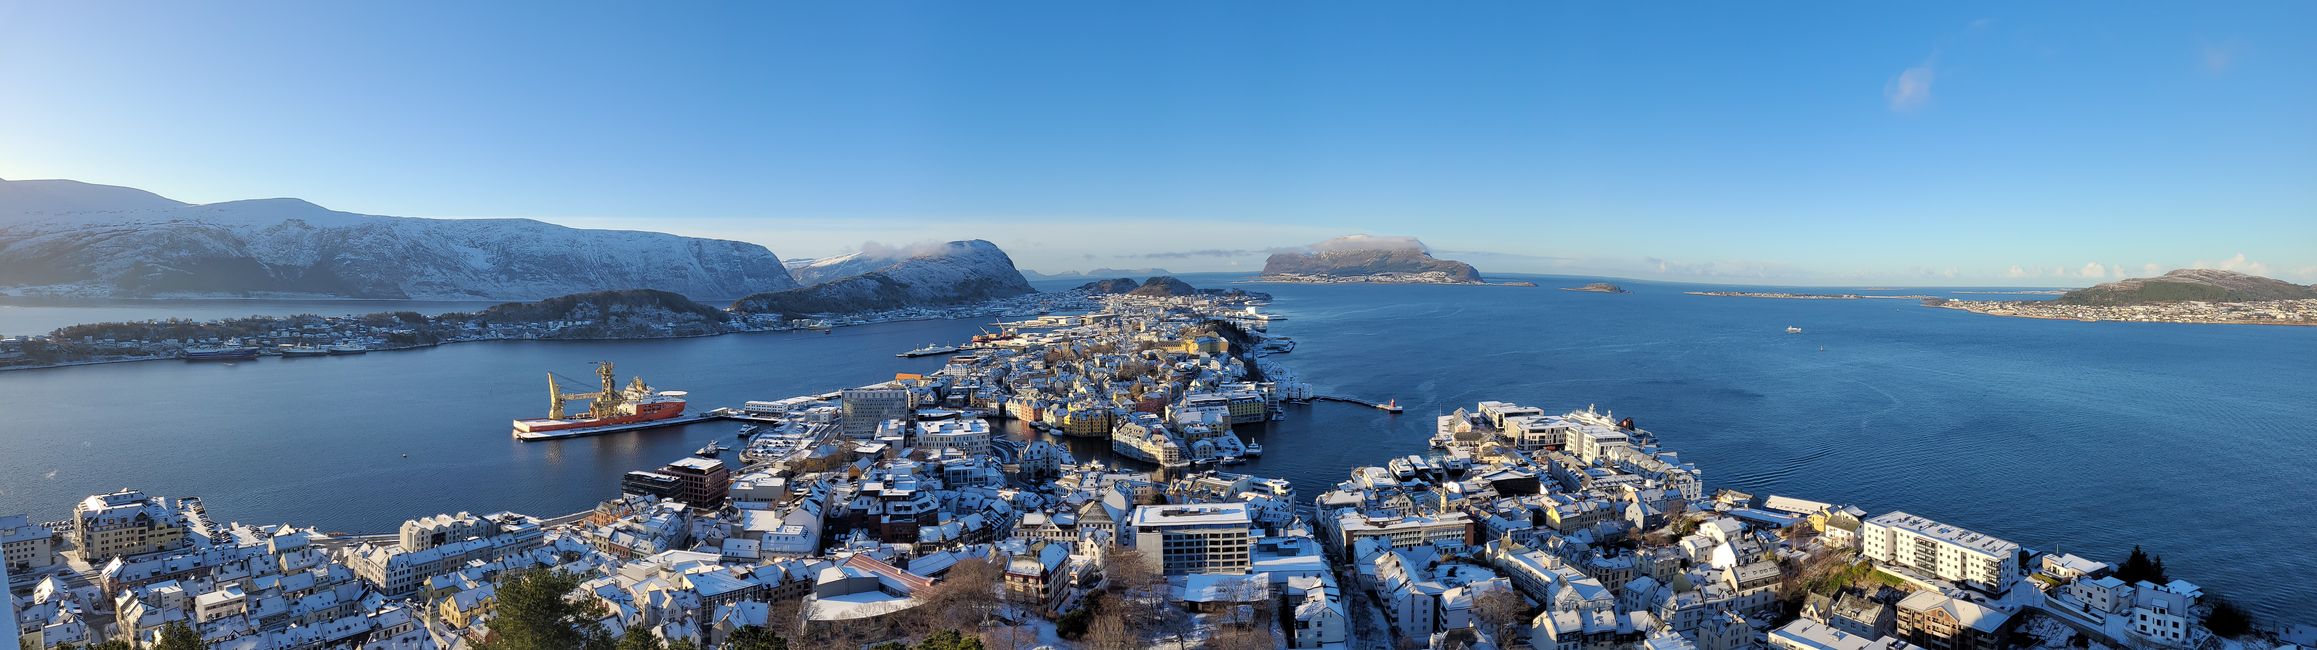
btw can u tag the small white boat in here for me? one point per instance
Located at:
(709, 451)
(1232, 460)
(1793, 330)
(1254, 449)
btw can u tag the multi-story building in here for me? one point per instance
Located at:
(1806, 634)
(1933, 620)
(698, 482)
(2161, 612)
(1196, 538)
(398, 572)
(126, 523)
(1942, 551)
(25, 546)
(1453, 529)
(969, 436)
(865, 408)
(429, 532)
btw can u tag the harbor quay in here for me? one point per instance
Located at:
(890, 511)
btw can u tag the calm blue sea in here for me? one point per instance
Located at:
(2196, 441)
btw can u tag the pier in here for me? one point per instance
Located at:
(1387, 407)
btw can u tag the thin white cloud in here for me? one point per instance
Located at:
(1363, 242)
(2017, 272)
(2094, 270)
(1911, 90)
(2236, 263)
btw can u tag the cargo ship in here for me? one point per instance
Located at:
(221, 353)
(611, 409)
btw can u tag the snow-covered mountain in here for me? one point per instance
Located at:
(73, 238)
(879, 278)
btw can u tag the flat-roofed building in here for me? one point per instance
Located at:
(865, 408)
(698, 482)
(1194, 538)
(1452, 529)
(969, 436)
(1946, 552)
(1806, 634)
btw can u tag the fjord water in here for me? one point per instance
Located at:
(2196, 441)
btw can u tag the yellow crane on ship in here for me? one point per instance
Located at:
(601, 404)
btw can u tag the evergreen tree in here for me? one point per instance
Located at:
(639, 638)
(949, 640)
(755, 638)
(2156, 573)
(2227, 619)
(2136, 568)
(179, 636)
(534, 612)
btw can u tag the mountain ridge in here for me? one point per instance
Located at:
(83, 239)
(948, 274)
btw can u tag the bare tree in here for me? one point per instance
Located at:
(1109, 632)
(964, 599)
(1503, 610)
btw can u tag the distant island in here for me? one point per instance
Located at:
(1163, 286)
(1097, 273)
(1784, 295)
(1598, 287)
(2181, 296)
(1368, 259)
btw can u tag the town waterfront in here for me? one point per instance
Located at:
(2095, 435)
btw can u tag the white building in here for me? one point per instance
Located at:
(1452, 529)
(969, 436)
(1806, 634)
(1943, 551)
(1195, 538)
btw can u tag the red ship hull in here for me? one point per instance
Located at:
(645, 412)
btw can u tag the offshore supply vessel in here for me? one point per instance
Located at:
(610, 409)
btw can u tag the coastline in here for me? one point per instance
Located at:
(870, 319)
(1779, 295)
(1969, 310)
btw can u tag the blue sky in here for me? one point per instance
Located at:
(1929, 143)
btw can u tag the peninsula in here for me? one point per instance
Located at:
(891, 511)
(954, 280)
(2209, 296)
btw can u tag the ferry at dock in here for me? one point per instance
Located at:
(930, 349)
(609, 410)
